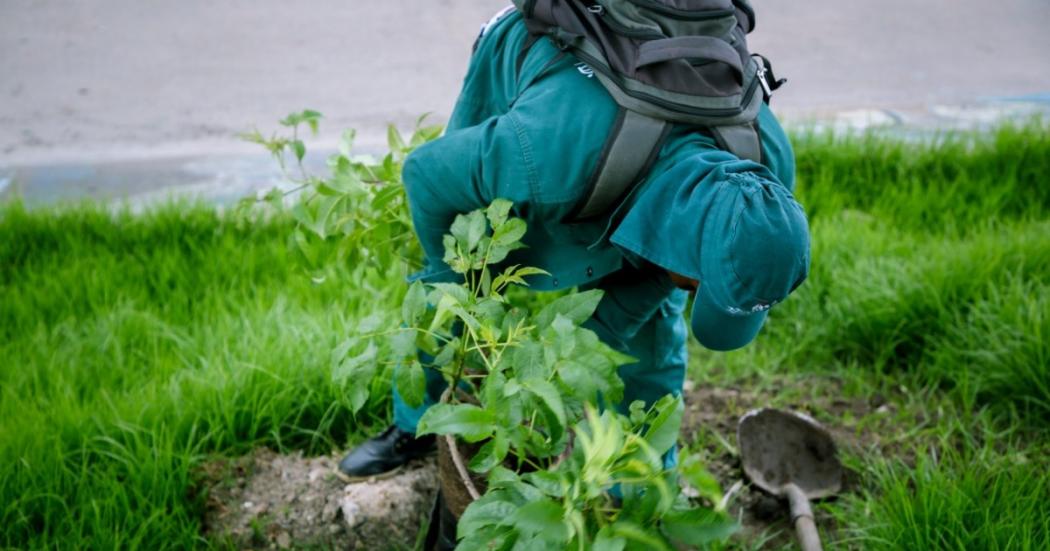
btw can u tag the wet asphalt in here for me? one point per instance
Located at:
(127, 100)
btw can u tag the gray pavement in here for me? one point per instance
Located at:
(97, 92)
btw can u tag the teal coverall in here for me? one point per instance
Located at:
(534, 137)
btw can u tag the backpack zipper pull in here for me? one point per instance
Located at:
(761, 75)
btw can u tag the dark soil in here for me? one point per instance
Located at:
(709, 427)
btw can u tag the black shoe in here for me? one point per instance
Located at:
(385, 453)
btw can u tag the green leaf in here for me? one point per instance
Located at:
(550, 405)
(456, 291)
(561, 336)
(411, 383)
(637, 412)
(488, 511)
(403, 344)
(475, 229)
(510, 233)
(696, 475)
(358, 371)
(543, 517)
(466, 421)
(393, 139)
(491, 454)
(663, 431)
(300, 149)
(502, 477)
(606, 541)
(494, 538)
(634, 533)
(371, 323)
(698, 526)
(349, 365)
(578, 307)
(547, 482)
(468, 229)
(414, 305)
(497, 212)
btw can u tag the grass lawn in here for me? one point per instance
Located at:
(134, 346)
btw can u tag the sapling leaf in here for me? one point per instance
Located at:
(498, 253)
(447, 353)
(698, 526)
(501, 477)
(497, 212)
(486, 282)
(370, 323)
(403, 344)
(491, 536)
(466, 421)
(578, 307)
(547, 482)
(489, 510)
(490, 454)
(607, 541)
(346, 143)
(696, 475)
(663, 430)
(468, 229)
(414, 305)
(544, 518)
(637, 412)
(358, 371)
(300, 149)
(411, 383)
(509, 233)
(550, 405)
(393, 139)
(636, 534)
(458, 292)
(348, 366)
(560, 336)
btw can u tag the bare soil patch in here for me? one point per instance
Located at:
(859, 426)
(270, 501)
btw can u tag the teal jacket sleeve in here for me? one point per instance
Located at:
(455, 174)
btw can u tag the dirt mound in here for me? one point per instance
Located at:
(709, 426)
(267, 501)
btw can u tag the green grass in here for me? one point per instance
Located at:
(131, 347)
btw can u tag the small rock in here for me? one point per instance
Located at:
(248, 505)
(284, 541)
(350, 510)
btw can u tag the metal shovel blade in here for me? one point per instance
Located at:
(780, 447)
(790, 455)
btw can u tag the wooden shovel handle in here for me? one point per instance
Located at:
(802, 515)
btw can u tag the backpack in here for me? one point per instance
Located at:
(663, 62)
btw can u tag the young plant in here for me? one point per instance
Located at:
(360, 203)
(522, 377)
(574, 504)
(527, 389)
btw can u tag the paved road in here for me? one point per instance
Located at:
(84, 81)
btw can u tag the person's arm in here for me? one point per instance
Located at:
(464, 170)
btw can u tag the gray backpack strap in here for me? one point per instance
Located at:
(741, 140)
(629, 151)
